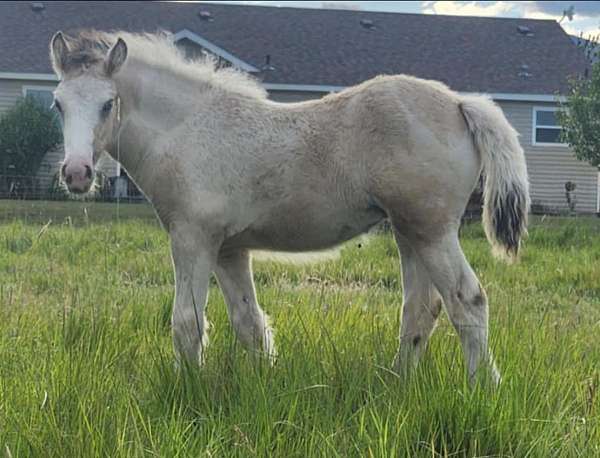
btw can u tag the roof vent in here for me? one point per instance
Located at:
(37, 6)
(267, 67)
(206, 16)
(367, 24)
(524, 71)
(524, 30)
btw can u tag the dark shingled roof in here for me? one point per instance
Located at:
(321, 47)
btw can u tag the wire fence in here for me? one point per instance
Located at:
(36, 187)
(119, 189)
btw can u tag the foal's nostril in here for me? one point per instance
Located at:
(69, 179)
(88, 172)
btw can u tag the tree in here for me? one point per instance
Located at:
(579, 116)
(27, 132)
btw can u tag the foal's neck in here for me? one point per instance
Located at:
(152, 103)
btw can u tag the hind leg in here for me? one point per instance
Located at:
(464, 298)
(420, 309)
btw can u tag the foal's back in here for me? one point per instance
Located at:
(402, 143)
(390, 145)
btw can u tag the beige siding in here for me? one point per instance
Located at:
(11, 90)
(108, 166)
(550, 167)
(49, 168)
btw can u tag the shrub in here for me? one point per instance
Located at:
(27, 132)
(579, 117)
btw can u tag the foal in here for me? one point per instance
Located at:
(229, 171)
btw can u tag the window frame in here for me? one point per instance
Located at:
(29, 87)
(535, 127)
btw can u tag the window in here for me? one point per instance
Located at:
(45, 96)
(42, 94)
(546, 130)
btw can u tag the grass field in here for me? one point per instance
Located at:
(86, 360)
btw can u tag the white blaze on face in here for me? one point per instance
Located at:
(81, 100)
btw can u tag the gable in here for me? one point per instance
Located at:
(194, 46)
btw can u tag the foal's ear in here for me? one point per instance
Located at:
(58, 53)
(116, 57)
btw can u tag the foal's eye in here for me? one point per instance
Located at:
(57, 105)
(107, 107)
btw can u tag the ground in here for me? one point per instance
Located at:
(86, 366)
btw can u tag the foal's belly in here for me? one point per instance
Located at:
(305, 230)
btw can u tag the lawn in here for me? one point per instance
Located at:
(74, 212)
(86, 366)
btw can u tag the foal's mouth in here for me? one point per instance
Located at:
(78, 191)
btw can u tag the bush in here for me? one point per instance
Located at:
(579, 117)
(27, 132)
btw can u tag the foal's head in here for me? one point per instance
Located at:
(87, 101)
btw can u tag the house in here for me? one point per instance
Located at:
(300, 54)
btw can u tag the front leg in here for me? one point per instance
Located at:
(193, 262)
(250, 323)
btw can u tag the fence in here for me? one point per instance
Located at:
(33, 187)
(121, 188)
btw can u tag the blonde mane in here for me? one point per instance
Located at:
(159, 50)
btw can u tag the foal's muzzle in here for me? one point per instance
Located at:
(78, 176)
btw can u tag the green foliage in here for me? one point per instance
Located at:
(579, 117)
(86, 363)
(27, 131)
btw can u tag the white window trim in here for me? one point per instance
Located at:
(535, 126)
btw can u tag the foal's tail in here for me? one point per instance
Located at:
(506, 192)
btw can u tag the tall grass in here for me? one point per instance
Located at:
(86, 366)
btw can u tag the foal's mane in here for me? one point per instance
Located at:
(158, 50)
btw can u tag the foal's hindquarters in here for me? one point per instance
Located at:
(424, 189)
(435, 272)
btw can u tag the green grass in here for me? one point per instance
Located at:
(86, 360)
(72, 211)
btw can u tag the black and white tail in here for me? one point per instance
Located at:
(506, 191)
